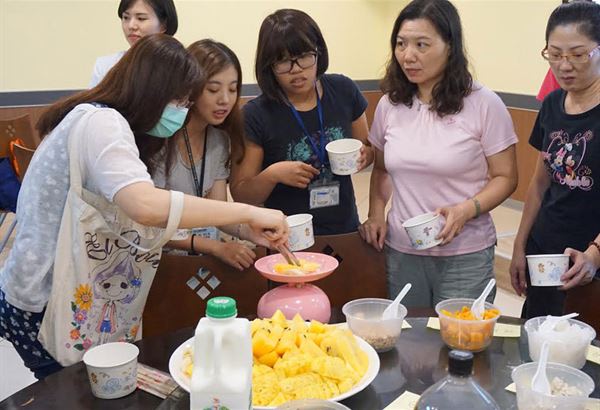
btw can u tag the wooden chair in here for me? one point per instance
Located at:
(23, 157)
(584, 300)
(183, 284)
(14, 128)
(361, 272)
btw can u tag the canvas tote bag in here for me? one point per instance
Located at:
(104, 266)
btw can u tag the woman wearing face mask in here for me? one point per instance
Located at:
(139, 18)
(443, 143)
(300, 110)
(197, 157)
(561, 208)
(85, 248)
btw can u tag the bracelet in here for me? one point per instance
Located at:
(596, 244)
(192, 250)
(477, 207)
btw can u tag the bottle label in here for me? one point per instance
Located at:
(216, 405)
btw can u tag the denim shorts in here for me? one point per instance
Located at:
(21, 328)
(436, 278)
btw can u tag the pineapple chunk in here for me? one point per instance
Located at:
(309, 347)
(279, 318)
(286, 342)
(269, 359)
(262, 343)
(316, 327)
(278, 400)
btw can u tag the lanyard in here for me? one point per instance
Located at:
(198, 184)
(320, 150)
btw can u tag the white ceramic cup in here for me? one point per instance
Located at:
(301, 232)
(546, 270)
(112, 369)
(343, 155)
(423, 229)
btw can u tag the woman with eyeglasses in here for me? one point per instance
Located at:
(549, 83)
(443, 144)
(300, 110)
(139, 18)
(562, 204)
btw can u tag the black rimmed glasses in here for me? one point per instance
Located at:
(304, 61)
(578, 58)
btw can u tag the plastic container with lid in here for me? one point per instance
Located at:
(222, 376)
(458, 390)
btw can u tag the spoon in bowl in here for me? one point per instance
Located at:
(391, 311)
(478, 306)
(551, 321)
(540, 382)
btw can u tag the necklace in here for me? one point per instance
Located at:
(198, 184)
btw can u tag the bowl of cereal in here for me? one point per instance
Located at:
(364, 318)
(568, 340)
(569, 388)
(459, 327)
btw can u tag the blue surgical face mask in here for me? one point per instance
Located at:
(170, 121)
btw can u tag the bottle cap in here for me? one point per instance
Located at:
(460, 363)
(221, 307)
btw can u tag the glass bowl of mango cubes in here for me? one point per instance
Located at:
(459, 327)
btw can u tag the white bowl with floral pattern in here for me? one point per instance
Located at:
(423, 229)
(344, 155)
(112, 369)
(546, 270)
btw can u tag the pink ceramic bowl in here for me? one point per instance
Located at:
(265, 266)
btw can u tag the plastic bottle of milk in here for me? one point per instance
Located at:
(222, 376)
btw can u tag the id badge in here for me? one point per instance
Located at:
(209, 232)
(324, 193)
(181, 234)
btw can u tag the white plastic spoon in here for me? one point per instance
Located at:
(392, 310)
(540, 382)
(478, 306)
(551, 321)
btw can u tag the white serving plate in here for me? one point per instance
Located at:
(183, 381)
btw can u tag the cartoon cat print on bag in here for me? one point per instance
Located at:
(564, 157)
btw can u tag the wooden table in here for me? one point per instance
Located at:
(419, 360)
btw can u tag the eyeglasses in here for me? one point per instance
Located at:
(306, 60)
(580, 58)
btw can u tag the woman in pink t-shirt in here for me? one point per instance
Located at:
(443, 144)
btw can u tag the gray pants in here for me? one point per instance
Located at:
(436, 278)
